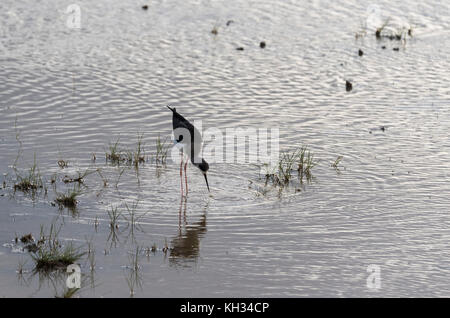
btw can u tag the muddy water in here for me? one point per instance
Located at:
(65, 94)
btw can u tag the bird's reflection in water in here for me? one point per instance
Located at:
(185, 246)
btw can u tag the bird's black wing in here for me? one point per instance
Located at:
(179, 123)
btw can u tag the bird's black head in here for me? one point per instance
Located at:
(204, 167)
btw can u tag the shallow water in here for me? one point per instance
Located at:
(67, 93)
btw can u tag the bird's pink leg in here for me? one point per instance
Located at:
(185, 176)
(181, 175)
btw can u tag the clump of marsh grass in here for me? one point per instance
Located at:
(286, 166)
(301, 160)
(162, 148)
(113, 155)
(31, 181)
(68, 199)
(305, 164)
(396, 33)
(139, 154)
(131, 157)
(51, 254)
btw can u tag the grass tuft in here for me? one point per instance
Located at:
(130, 157)
(114, 155)
(51, 255)
(162, 148)
(305, 163)
(300, 160)
(31, 181)
(68, 199)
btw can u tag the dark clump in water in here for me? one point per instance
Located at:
(27, 239)
(262, 44)
(360, 52)
(396, 49)
(384, 47)
(145, 7)
(240, 48)
(348, 86)
(394, 37)
(378, 34)
(229, 22)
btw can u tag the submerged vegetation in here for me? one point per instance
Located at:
(79, 178)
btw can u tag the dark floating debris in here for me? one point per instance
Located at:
(262, 44)
(392, 37)
(378, 33)
(384, 47)
(382, 128)
(26, 239)
(396, 49)
(360, 52)
(214, 31)
(229, 22)
(348, 86)
(145, 7)
(380, 29)
(240, 48)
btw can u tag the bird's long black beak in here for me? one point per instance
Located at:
(206, 179)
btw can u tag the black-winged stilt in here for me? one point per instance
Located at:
(190, 139)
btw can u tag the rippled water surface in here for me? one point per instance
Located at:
(66, 94)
